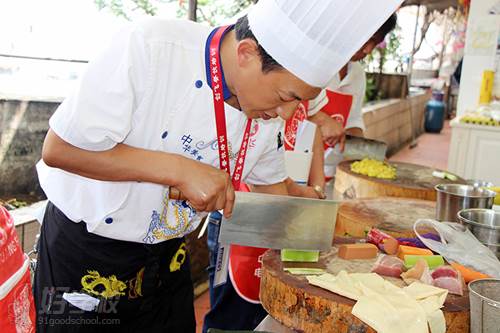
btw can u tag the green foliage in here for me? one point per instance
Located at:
(389, 49)
(371, 92)
(212, 12)
(124, 8)
(13, 204)
(393, 43)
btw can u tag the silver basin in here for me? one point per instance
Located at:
(484, 296)
(485, 225)
(479, 183)
(452, 198)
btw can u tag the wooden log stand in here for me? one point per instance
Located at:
(412, 181)
(395, 216)
(292, 301)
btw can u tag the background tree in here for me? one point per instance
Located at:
(429, 18)
(212, 12)
(389, 49)
(127, 8)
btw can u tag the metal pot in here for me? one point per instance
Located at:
(479, 183)
(485, 225)
(452, 198)
(484, 296)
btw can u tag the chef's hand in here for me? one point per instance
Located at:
(332, 131)
(303, 191)
(206, 188)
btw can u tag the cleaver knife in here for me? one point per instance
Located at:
(280, 222)
(357, 148)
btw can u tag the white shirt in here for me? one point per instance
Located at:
(149, 90)
(354, 84)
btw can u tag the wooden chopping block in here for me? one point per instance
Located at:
(394, 216)
(292, 301)
(412, 181)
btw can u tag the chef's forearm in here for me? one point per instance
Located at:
(355, 131)
(317, 173)
(277, 189)
(121, 163)
(319, 118)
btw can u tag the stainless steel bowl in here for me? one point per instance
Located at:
(479, 183)
(484, 296)
(484, 224)
(452, 198)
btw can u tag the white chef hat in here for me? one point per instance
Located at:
(314, 39)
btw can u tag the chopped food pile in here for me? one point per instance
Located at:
(13, 204)
(444, 175)
(479, 119)
(374, 168)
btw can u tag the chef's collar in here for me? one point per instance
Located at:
(225, 89)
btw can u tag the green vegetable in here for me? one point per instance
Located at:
(432, 261)
(305, 271)
(444, 175)
(450, 176)
(299, 255)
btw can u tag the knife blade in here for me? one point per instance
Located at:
(280, 222)
(357, 148)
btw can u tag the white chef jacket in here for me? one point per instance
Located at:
(354, 84)
(149, 90)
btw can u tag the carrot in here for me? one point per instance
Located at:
(469, 274)
(410, 250)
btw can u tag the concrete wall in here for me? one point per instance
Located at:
(391, 120)
(23, 125)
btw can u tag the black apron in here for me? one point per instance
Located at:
(140, 288)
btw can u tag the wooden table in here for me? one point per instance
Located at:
(292, 301)
(392, 215)
(412, 181)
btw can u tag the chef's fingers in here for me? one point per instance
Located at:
(342, 143)
(176, 194)
(216, 202)
(220, 203)
(200, 206)
(229, 204)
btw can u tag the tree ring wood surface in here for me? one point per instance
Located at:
(395, 216)
(412, 181)
(305, 308)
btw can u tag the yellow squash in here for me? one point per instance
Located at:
(374, 168)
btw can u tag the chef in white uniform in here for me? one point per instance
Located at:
(172, 104)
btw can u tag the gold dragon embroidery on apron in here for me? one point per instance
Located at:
(178, 258)
(110, 286)
(135, 285)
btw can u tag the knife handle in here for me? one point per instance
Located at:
(176, 194)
